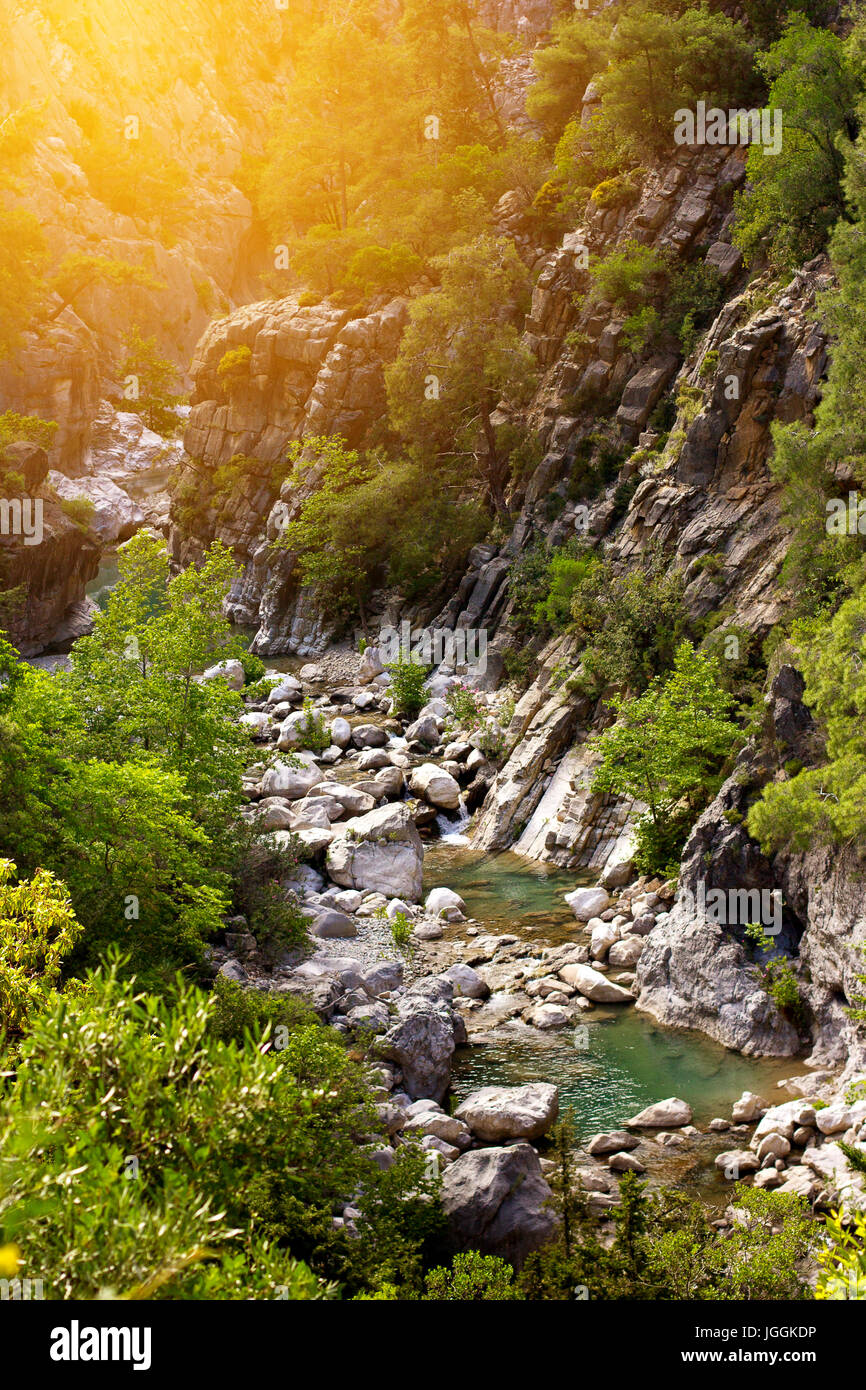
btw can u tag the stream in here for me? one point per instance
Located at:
(616, 1061)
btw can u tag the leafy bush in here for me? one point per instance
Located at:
(464, 709)
(407, 688)
(314, 734)
(472, 1278)
(254, 667)
(38, 929)
(196, 1159)
(80, 510)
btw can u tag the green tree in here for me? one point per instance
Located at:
(460, 355)
(154, 377)
(359, 519)
(794, 198)
(825, 803)
(660, 62)
(667, 749)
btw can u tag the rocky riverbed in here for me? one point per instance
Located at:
(364, 808)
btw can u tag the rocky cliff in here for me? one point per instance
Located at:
(307, 372)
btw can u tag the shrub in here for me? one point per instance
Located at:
(254, 667)
(80, 510)
(181, 1144)
(472, 1278)
(38, 929)
(463, 707)
(407, 688)
(314, 734)
(234, 366)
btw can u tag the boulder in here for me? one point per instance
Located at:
(288, 689)
(370, 665)
(291, 783)
(443, 902)
(421, 1042)
(445, 1127)
(497, 1201)
(551, 1014)
(353, 801)
(496, 1113)
(383, 978)
(435, 786)
(775, 1144)
(665, 1114)
(380, 852)
(424, 730)
(333, 924)
(736, 1163)
(614, 1141)
(595, 986)
(467, 983)
(618, 875)
(369, 736)
(340, 732)
(232, 672)
(626, 1163)
(588, 902)
(833, 1119)
(748, 1108)
(626, 952)
(603, 937)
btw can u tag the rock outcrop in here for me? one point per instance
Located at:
(302, 372)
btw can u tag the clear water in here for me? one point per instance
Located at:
(617, 1060)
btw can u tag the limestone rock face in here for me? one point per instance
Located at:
(50, 573)
(496, 1201)
(310, 371)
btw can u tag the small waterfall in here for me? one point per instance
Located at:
(452, 832)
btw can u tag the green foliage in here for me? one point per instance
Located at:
(824, 803)
(254, 667)
(80, 510)
(472, 1278)
(660, 62)
(628, 276)
(407, 687)
(14, 427)
(568, 569)
(314, 734)
(185, 1148)
(37, 931)
(630, 624)
(123, 776)
(459, 356)
(156, 398)
(843, 1257)
(794, 198)
(233, 367)
(401, 931)
(464, 711)
(364, 520)
(665, 1248)
(779, 981)
(667, 749)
